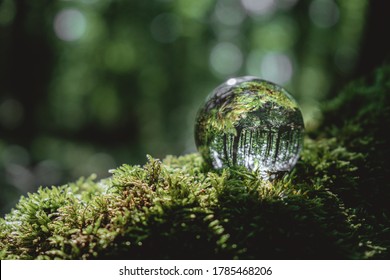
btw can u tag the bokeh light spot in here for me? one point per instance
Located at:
(226, 58)
(229, 12)
(257, 7)
(272, 66)
(70, 24)
(276, 67)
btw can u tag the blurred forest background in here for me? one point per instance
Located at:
(90, 84)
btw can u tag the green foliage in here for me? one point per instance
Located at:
(333, 205)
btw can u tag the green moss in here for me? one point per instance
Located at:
(333, 205)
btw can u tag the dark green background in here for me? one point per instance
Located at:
(88, 85)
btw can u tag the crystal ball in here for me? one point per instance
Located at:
(250, 122)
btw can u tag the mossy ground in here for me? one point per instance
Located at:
(335, 204)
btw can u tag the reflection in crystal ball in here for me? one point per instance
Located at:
(250, 122)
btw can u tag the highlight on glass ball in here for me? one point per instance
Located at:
(250, 122)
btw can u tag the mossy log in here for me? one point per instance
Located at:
(335, 204)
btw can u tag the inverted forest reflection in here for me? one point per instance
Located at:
(252, 123)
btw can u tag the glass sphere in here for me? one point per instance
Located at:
(250, 122)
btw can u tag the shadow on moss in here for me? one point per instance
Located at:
(334, 205)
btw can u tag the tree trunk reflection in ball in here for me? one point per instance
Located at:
(250, 122)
